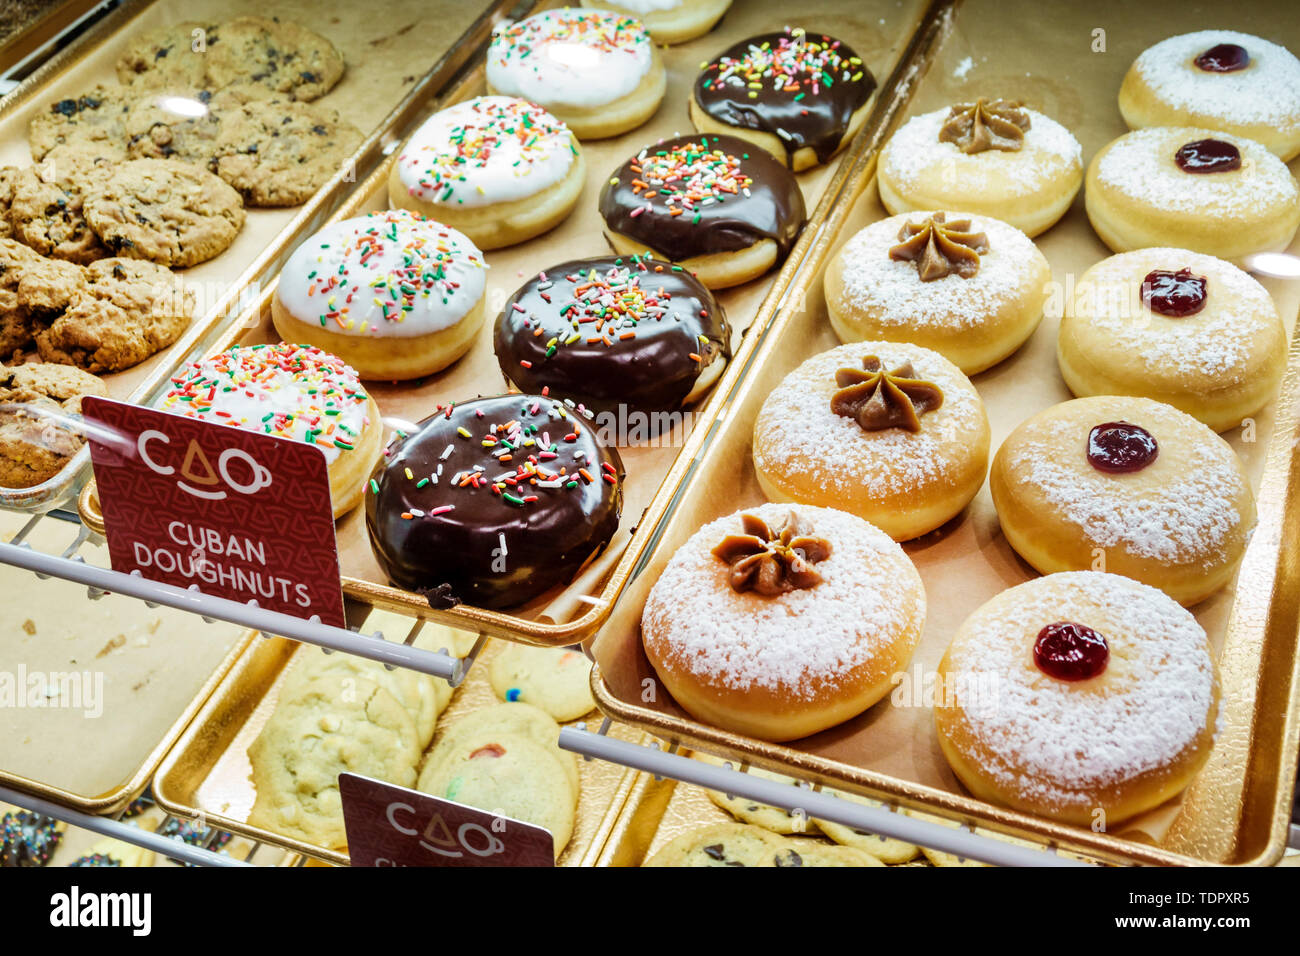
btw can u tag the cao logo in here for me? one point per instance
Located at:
(236, 469)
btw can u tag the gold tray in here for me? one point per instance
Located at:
(40, 30)
(877, 36)
(1237, 811)
(378, 53)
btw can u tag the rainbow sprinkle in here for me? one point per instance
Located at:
(688, 178)
(594, 29)
(797, 65)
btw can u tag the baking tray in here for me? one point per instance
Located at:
(1236, 811)
(384, 56)
(877, 32)
(207, 772)
(42, 27)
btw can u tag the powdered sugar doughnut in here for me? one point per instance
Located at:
(779, 636)
(290, 391)
(499, 169)
(1176, 326)
(969, 287)
(1027, 179)
(827, 435)
(1221, 80)
(1125, 728)
(1130, 484)
(669, 21)
(598, 71)
(397, 296)
(1241, 200)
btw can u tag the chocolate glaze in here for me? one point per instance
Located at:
(456, 556)
(1120, 448)
(1223, 58)
(1208, 156)
(773, 209)
(817, 121)
(1175, 294)
(653, 371)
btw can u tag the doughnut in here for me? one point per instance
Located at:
(614, 332)
(1192, 188)
(892, 432)
(493, 502)
(1220, 80)
(1126, 485)
(669, 21)
(393, 294)
(598, 72)
(1083, 697)
(1177, 326)
(969, 287)
(290, 391)
(499, 169)
(801, 97)
(782, 620)
(991, 158)
(717, 205)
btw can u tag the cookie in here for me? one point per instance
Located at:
(551, 678)
(721, 844)
(170, 56)
(109, 853)
(45, 207)
(15, 322)
(886, 849)
(8, 174)
(808, 852)
(27, 838)
(519, 719)
(33, 447)
(745, 810)
(156, 130)
(93, 121)
(165, 211)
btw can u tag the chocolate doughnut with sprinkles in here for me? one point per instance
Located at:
(717, 205)
(800, 96)
(494, 501)
(28, 839)
(611, 331)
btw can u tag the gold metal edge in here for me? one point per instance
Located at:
(41, 31)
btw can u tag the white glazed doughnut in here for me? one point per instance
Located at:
(395, 295)
(499, 169)
(669, 21)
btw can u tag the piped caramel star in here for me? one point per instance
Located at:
(986, 124)
(941, 248)
(772, 562)
(878, 399)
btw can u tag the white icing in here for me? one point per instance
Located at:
(648, 6)
(405, 276)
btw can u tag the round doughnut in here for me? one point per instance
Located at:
(1125, 485)
(834, 433)
(1177, 326)
(969, 287)
(499, 169)
(393, 294)
(1083, 697)
(991, 157)
(669, 21)
(614, 332)
(598, 72)
(1138, 194)
(773, 90)
(290, 391)
(1218, 79)
(782, 620)
(493, 502)
(716, 205)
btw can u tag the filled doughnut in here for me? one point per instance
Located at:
(669, 21)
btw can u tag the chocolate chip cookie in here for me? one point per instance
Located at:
(45, 209)
(34, 443)
(94, 121)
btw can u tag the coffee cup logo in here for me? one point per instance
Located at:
(236, 470)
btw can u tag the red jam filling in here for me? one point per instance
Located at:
(1121, 448)
(1223, 58)
(491, 750)
(1208, 156)
(1070, 652)
(1175, 294)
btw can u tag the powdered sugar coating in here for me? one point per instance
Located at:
(1057, 742)
(1266, 92)
(891, 292)
(800, 643)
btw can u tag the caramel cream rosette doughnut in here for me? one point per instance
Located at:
(1082, 697)
(969, 287)
(782, 620)
(669, 21)
(892, 432)
(991, 157)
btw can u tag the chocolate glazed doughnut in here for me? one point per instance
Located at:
(493, 502)
(614, 330)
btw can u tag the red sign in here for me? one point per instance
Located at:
(393, 826)
(243, 515)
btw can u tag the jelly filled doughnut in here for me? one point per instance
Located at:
(799, 96)
(499, 169)
(719, 206)
(393, 294)
(669, 21)
(595, 70)
(1220, 80)
(290, 391)
(892, 432)
(614, 331)
(1082, 697)
(1129, 485)
(969, 287)
(1192, 188)
(782, 620)
(991, 157)
(1176, 326)
(493, 501)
